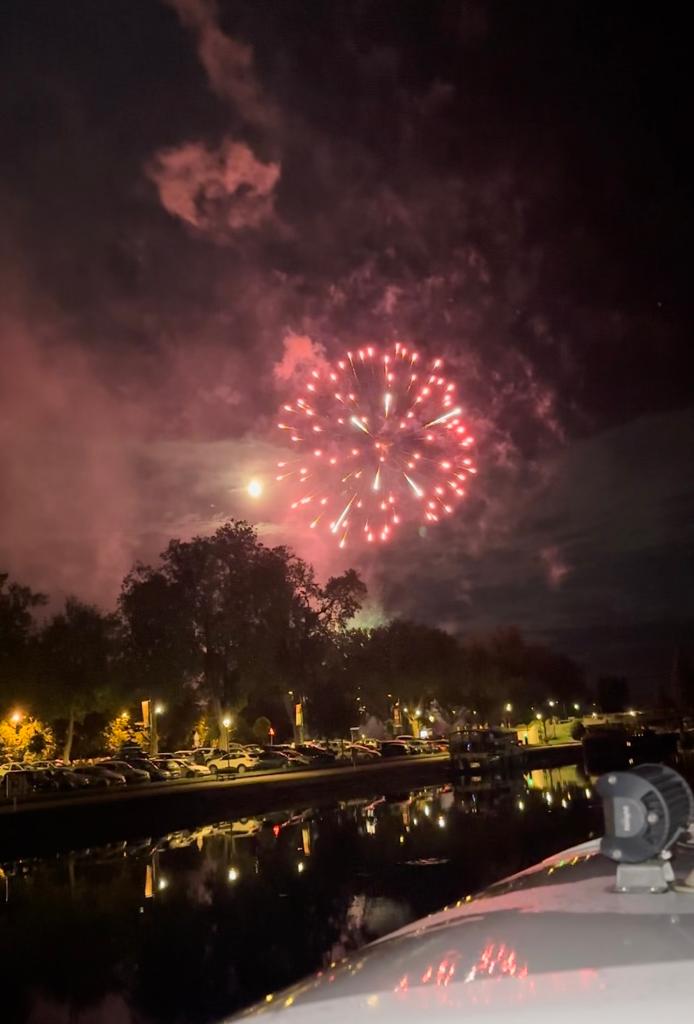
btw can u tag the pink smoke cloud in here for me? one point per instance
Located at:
(215, 190)
(555, 566)
(301, 353)
(228, 62)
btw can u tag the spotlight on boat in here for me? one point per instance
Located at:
(646, 810)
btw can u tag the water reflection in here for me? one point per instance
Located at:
(194, 924)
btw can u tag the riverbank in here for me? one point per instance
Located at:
(63, 822)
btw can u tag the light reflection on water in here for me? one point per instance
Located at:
(194, 924)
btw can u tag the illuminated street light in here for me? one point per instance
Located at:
(576, 707)
(124, 715)
(226, 724)
(159, 709)
(551, 703)
(234, 874)
(538, 716)
(16, 717)
(509, 708)
(300, 866)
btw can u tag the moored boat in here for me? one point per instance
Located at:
(475, 751)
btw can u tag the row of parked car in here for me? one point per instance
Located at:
(240, 758)
(133, 766)
(129, 768)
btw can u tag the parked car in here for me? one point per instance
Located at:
(168, 764)
(131, 773)
(297, 759)
(394, 748)
(219, 752)
(103, 777)
(274, 760)
(190, 769)
(130, 750)
(198, 755)
(357, 753)
(67, 780)
(155, 772)
(236, 761)
(40, 780)
(317, 755)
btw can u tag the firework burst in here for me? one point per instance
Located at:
(378, 439)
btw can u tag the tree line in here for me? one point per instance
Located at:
(225, 628)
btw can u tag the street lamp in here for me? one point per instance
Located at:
(577, 707)
(226, 722)
(509, 708)
(159, 709)
(551, 703)
(16, 717)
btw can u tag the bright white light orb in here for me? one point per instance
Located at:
(255, 489)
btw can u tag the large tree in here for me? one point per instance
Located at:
(74, 667)
(227, 615)
(17, 633)
(501, 667)
(403, 662)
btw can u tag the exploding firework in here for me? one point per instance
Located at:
(378, 439)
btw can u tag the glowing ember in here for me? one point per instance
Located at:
(393, 445)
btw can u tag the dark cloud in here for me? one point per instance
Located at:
(198, 200)
(597, 557)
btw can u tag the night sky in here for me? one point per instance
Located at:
(197, 201)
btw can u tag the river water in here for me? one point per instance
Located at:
(193, 925)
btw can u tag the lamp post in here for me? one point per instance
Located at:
(158, 709)
(226, 722)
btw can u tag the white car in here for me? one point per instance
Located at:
(236, 761)
(191, 769)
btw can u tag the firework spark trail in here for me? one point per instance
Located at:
(381, 438)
